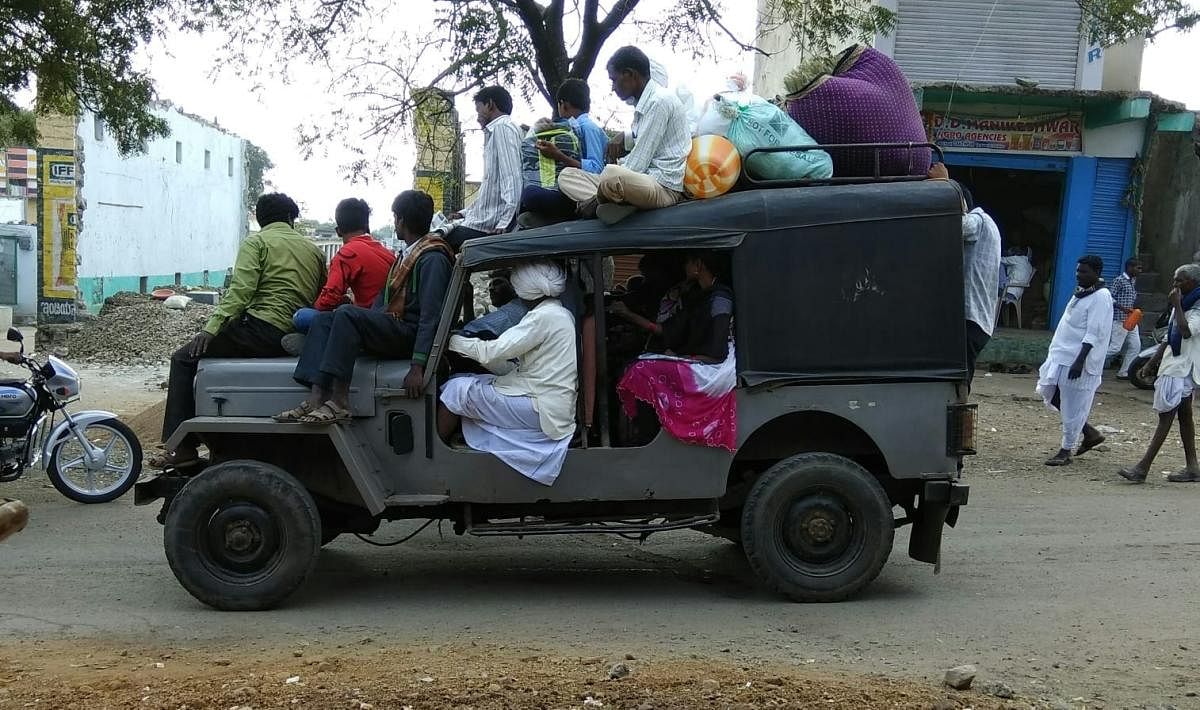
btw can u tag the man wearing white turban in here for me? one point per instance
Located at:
(524, 414)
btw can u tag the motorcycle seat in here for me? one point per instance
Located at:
(11, 381)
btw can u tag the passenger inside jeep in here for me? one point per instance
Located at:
(523, 409)
(687, 376)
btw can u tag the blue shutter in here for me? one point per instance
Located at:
(1110, 225)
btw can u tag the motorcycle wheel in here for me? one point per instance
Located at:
(1135, 374)
(122, 465)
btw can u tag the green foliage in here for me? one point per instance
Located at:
(803, 75)
(257, 163)
(18, 127)
(1110, 22)
(76, 54)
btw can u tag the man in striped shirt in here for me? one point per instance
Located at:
(499, 196)
(1127, 343)
(648, 173)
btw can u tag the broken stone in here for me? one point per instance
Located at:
(997, 689)
(618, 671)
(961, 677)
(944, 705)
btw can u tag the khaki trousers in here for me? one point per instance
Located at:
(618, 185)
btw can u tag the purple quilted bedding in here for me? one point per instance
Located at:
(866, 100)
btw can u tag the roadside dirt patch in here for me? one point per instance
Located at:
(148, 423)
(365, 676)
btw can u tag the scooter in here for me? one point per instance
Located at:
(1135, 369)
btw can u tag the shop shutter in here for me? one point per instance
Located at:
(1111, 221)
(1038, 39)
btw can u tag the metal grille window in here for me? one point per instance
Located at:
(945, 40)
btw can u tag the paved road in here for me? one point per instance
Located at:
(1064, 585)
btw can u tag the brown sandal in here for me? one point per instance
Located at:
(328, 413)
(295, 414)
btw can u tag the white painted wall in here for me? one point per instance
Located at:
(1123, 140)
(149, 214)
(26, 306)
(12, 210)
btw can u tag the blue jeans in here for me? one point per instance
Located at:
(303, 319)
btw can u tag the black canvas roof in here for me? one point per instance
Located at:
(725, 221)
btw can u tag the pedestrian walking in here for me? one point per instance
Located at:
(1126, 343)
(1177, 363)
(1069, 378)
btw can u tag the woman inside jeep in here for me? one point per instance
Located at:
(690, 382)
(524, 414)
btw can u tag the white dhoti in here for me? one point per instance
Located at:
(1075, 398)
(507, 427)
(1169, 392)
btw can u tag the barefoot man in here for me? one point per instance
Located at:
(1176, 363)
(1070, 376)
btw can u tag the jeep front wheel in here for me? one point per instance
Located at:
(817, 527)
(242, 535)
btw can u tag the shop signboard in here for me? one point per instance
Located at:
(1044, 133)
(57, 230)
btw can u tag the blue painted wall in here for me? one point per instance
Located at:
(95, 289)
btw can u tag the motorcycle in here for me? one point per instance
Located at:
(90, 457)
(1135, 369)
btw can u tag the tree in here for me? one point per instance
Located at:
(74, 54)
(257, 163)
(1110, 22)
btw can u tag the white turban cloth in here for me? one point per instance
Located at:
(538, 279)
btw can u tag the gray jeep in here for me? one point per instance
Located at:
(852, 414)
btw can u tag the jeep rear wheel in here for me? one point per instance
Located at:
(242, 535)
(817, 527)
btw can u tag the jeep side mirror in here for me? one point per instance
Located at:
(14, 336)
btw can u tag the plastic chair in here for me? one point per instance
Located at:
(1024, 286)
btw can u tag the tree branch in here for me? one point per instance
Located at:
(715, 18)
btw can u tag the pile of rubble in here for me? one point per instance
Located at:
(135, 329)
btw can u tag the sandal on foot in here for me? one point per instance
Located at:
(295, 414)
(1089, 444)
(165, 460)
(328, 413)
(1184, 476)
(1058, 461)
(1132, 475)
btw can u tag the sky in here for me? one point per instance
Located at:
(268, 111)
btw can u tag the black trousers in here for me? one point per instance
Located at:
(977, 340)
(455, 237)
(337, 337)
(245, 336)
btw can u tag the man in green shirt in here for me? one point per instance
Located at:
(278, 271)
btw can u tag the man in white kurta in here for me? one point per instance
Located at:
(524, 414)
(1069, 378)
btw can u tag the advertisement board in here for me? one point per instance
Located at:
(1044, 133)
(57, 232)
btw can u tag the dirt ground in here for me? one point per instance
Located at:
(366, 675)
(1070, 586)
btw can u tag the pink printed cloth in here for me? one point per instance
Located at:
(690, 415)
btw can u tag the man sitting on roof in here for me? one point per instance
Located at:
(649, 159)
(540, 205)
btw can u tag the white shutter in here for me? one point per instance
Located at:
(1038, 39)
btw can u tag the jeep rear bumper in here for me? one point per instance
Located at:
(937, 507)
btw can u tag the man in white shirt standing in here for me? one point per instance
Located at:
(1069, 378)
(981, 265)
(648, 173)
(1178, 364)
(499, 196)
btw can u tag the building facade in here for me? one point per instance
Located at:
(1049, 133)
(103, 223)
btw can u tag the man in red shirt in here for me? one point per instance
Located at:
(361, 266)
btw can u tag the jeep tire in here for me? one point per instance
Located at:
(242, 535)
(817, 527)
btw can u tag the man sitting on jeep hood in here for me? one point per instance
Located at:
(277, 271)
(401, 323)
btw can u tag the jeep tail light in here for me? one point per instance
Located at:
(960, 429)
